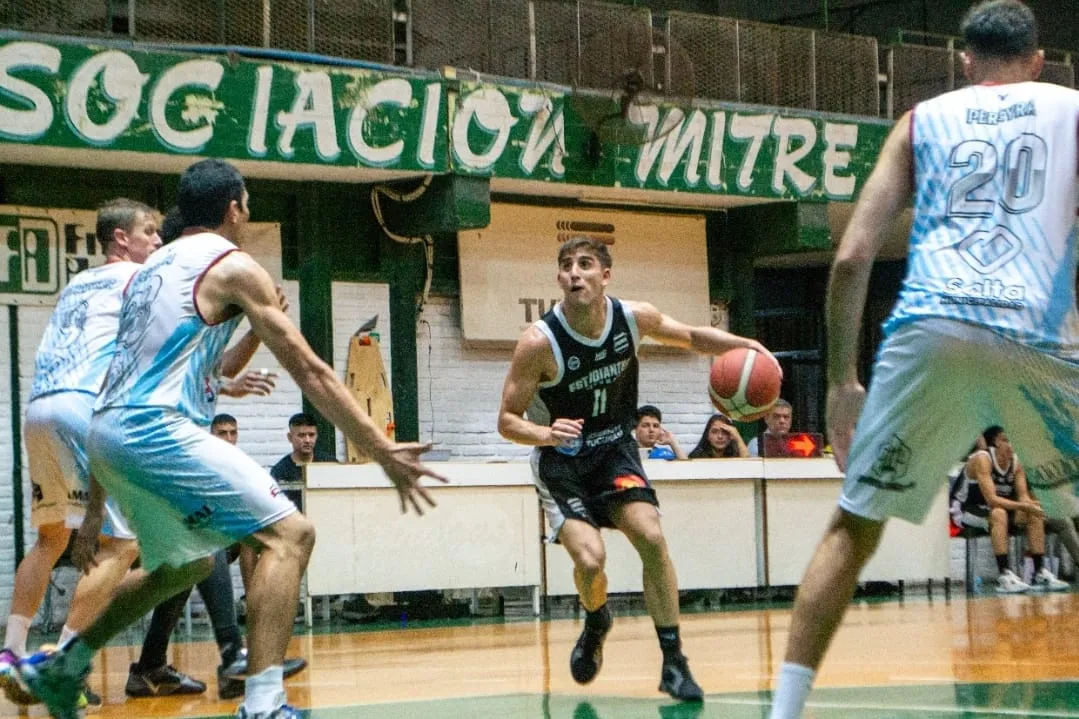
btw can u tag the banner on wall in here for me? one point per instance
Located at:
(41, 249)
(509, 269)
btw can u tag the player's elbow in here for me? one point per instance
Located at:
(504, 423)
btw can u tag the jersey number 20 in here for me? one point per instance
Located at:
(1025, 158)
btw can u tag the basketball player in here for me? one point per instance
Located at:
(987, 312)
(575, 372)
(187, 493)
(70, 364)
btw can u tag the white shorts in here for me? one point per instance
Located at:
(55, 432)
(186, 493)
(937, 384)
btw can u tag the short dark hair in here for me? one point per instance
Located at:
(119, 214)
(990, 435)
(206, 190)
(223, 418)
(1001, 29)
(301, 419)
(649, 410)
(584, 242)
(172, 226)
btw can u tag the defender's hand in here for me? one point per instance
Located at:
(402, 465)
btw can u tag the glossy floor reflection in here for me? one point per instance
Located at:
(1015, 656)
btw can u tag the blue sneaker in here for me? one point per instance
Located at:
(15, 691)
(282, 712)
(47, 677)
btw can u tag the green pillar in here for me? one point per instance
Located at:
(316, 299)
(404, 267)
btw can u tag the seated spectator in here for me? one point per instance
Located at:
(778, 423)
(720, 439)
(997, 499)
(651, 435)
(303, 436)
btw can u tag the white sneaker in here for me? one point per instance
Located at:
(1045, 580)
(1009, 583)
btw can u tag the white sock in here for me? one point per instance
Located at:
(792, 690)
(265, 691)
(65, 634)
(18, 628)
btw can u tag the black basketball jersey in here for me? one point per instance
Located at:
(1003, 482)
(596, 379)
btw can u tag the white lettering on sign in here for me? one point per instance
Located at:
(395, 92)
(199, 110)
(114, 75)
(489, 110)
(311, 108)
(31, 123)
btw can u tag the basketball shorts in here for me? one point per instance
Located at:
(978, 517)
(937, 384)
(55, 432)
(186, 493)
(591, 485)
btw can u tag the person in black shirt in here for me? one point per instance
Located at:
(575, 374)
(302, 435)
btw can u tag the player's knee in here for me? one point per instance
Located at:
(998, 516)
(53, 539)
(293, 536)
(591, 560)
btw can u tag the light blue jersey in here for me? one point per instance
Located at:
(77, 347)
(993, 238)
(166, 354)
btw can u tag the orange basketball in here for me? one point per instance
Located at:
(743, 384)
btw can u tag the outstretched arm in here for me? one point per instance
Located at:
(237, 356)
(886, 191)
(706, 340)
(237, 280)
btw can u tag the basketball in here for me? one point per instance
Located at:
(743, 384)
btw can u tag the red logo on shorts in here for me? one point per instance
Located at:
(629, 481)
(275, 490)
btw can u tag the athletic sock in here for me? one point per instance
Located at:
(1039, 562)
(18, 629)
(65, 634)
(265, 691)
(670, 643)
(1002, 563)
(598, 621)
(792, 690)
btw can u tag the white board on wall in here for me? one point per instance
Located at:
(508, 269)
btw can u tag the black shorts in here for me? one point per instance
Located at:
(978, 517)
(592, 484)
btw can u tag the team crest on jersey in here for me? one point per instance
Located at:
(986, 251)
(890, 469)
(621, 342)
(574, 363)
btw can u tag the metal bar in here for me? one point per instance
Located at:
(310, 25)
(577, 78)
(266, 15)
(738, 59)
(408, 33)
(532, 60)
(667, 58)
(813, 64)
(131, 18)
(16, 432)
(889, 89)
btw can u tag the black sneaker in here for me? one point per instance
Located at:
(677, 681)
(231, 679)
(161, 682)
(89, 701)
(586, 659)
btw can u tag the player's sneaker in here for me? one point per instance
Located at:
(88, 700)
(230, 679)
(282, 712)
(586, 659)
(676, 680)
(15, 691)
(59, 686)
(161, 682)
(1009, 583)
(1047, 581)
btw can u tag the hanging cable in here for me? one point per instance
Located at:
(428, 241)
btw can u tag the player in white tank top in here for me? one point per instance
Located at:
(71, 360)
(986, 313)
(186, 492)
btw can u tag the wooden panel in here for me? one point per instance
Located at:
(508, 269)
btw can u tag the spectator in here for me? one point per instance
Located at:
(652, 436)
(998, 500)
(303, 436)
(778, 423)
(720, 439)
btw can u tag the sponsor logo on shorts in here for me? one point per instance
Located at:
(577, 505)
(36, 492)
(274, 489)
(199, 518)
(890, 468)
(80, 496)
(629, 481)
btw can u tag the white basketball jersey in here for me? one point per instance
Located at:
(79, 340)
(993, 239)
(166, 354)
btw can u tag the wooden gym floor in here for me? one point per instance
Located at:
(1014, 656)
